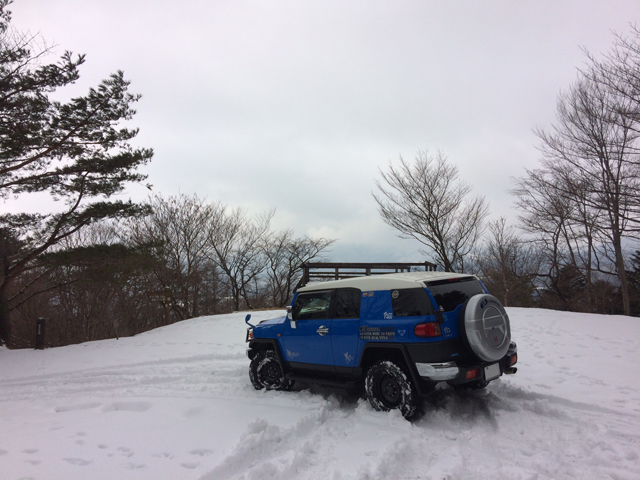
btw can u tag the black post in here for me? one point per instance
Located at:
(40, 334)
(167, 305)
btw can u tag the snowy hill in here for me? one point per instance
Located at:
(176, 403)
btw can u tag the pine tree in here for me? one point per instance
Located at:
(76, 151)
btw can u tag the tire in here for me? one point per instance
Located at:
(265, 372)
(485, 327)
(388, 388)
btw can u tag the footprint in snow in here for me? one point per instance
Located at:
(190, 465)
(3, 452)
(126, 452)
(201, 452)
(73, 408)
(127, 407)
(30, 451)
(163, 455)
(81, 462)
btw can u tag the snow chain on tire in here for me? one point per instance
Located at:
(388, 387)
(265, 372)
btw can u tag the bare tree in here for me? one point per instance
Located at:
(592, 148)
(563, 230)
(237, 247)
(509, 265)
(179, 229)
(619, 72)
(285, 255)
(426, 201)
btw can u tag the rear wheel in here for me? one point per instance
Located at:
(388, 388)
(265, 372)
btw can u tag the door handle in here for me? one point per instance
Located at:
(322, 330)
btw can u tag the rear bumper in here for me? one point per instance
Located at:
(456, 372)
(438, 372)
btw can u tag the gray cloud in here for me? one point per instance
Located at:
(296, 105)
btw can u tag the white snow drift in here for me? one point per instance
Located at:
(176, 403)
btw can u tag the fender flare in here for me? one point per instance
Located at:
(272, 343)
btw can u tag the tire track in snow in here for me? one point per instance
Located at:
(116, 368)
(303, 450)
(202, 375)
(459, 435)
(549, 439)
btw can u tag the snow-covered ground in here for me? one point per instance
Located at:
(176, 403)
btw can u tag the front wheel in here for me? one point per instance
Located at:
(265, 372)
(388, 388)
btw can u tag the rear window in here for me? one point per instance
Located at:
(411, 302)
(348, 303)
(449, 294)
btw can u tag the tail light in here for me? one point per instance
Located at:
(473, 373)
(514, 360)
(431, 329)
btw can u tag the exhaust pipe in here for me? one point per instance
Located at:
(511, 371)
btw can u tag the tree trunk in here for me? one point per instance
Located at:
(588, 276)
(622, 275)
(5, 324)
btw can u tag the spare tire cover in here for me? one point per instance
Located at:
(486, 327)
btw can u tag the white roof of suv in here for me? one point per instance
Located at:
(389, 281)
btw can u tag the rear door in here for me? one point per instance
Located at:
(345, 328)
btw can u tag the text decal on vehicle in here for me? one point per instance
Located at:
(376, 333)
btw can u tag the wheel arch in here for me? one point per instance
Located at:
(395, 352)
(258, 344)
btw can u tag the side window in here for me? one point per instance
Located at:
(348, 303)
(411, 302)
(312, 305)
(449, 295)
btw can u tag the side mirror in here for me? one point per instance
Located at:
(290, 317)
(246, 320)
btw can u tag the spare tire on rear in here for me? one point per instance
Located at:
(484, 324)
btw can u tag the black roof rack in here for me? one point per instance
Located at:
(323, 271)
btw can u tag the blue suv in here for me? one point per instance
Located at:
(397, 335)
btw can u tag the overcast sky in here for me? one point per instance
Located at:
(296, 105)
